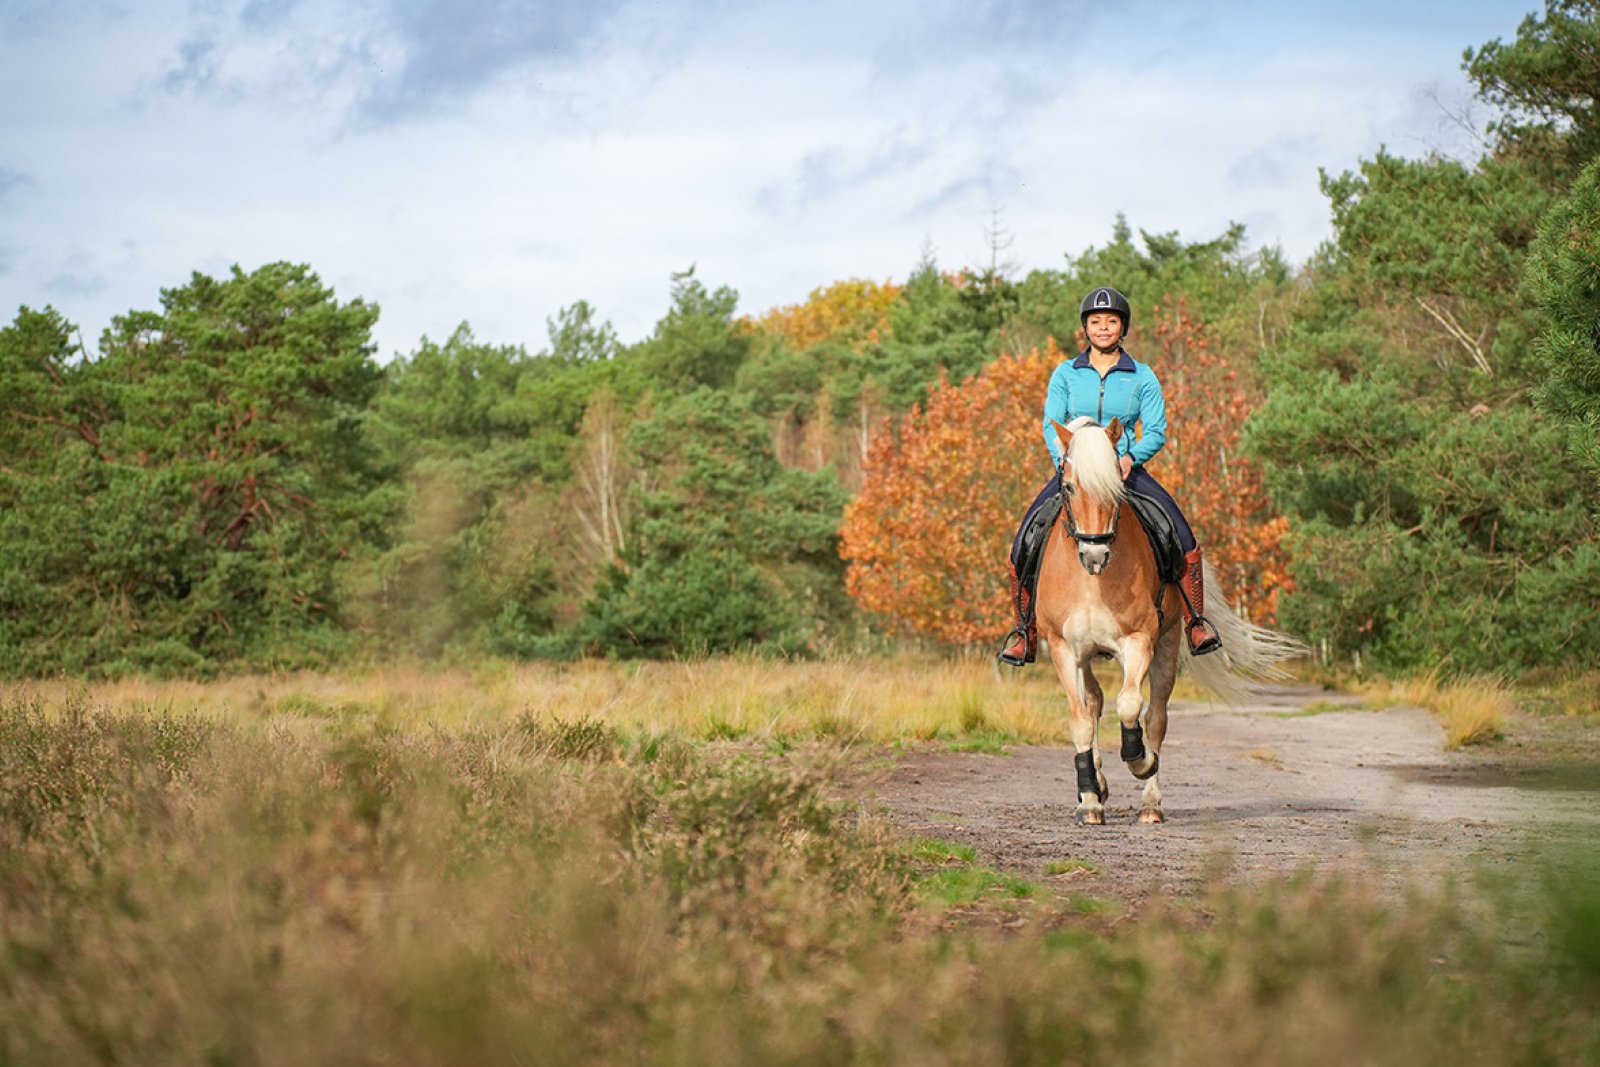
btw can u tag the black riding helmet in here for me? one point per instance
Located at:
(1106, 299)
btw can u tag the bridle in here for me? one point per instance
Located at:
(1079, 536)
(1093, 561)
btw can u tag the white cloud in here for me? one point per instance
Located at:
(499, 169)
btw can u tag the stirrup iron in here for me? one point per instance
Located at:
(1006, 642)
(1207, 644)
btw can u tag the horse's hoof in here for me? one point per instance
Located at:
(1152, 815)
(1155, 765)
(1090, 817)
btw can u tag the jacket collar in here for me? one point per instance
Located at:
(1124, 361)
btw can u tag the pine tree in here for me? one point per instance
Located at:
(1564, 276)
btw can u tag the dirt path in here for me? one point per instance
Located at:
(1254, 792)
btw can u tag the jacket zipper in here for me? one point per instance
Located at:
(1100, 409)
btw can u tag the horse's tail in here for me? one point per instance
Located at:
(1249, 654)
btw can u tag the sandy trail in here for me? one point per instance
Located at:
(1252, 792)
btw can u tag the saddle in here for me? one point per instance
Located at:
(1163, 534)
(1158, 528)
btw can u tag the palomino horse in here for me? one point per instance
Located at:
(1099, 595)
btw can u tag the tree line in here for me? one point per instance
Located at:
(1394, 446)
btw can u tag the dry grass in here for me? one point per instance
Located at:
(183, 889)
(1569, 694)
(1266, 757)
(873, 701)
(876, 701)
(1471, 710)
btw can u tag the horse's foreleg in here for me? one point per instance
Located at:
(1163, 675)
(1085, 700)
(1094, 701)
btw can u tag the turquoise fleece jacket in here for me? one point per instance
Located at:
(1130, 391)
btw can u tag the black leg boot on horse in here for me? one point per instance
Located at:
(1022, 643)
(1203, 636)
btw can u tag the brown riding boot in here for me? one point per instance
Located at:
(1021, 645)
(1203, 636)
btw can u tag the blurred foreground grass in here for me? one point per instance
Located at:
(415, 885)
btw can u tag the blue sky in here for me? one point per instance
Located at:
(493, 162)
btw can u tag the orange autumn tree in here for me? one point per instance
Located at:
(927, 538)
(1220, 490)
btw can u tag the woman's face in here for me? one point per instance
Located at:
(1104, 329)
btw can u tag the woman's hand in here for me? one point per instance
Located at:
(1125, 462)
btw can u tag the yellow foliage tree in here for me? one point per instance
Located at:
(852, 313)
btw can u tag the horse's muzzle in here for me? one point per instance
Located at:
(1094, 558)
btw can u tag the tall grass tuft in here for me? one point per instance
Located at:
(1472, 710)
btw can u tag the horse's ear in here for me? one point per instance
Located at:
(1114, 431)
(1061, 431)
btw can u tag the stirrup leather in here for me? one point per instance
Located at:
(1020, 645)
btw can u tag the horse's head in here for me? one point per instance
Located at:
(1091, 480)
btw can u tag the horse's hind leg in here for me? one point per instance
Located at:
(1140, 758)
(1163, 675)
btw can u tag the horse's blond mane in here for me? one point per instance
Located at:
(1094, 462)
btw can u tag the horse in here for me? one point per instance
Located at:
(1100, 595)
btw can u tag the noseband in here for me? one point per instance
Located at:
(1072, 524)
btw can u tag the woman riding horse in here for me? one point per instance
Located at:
(1105, 383)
